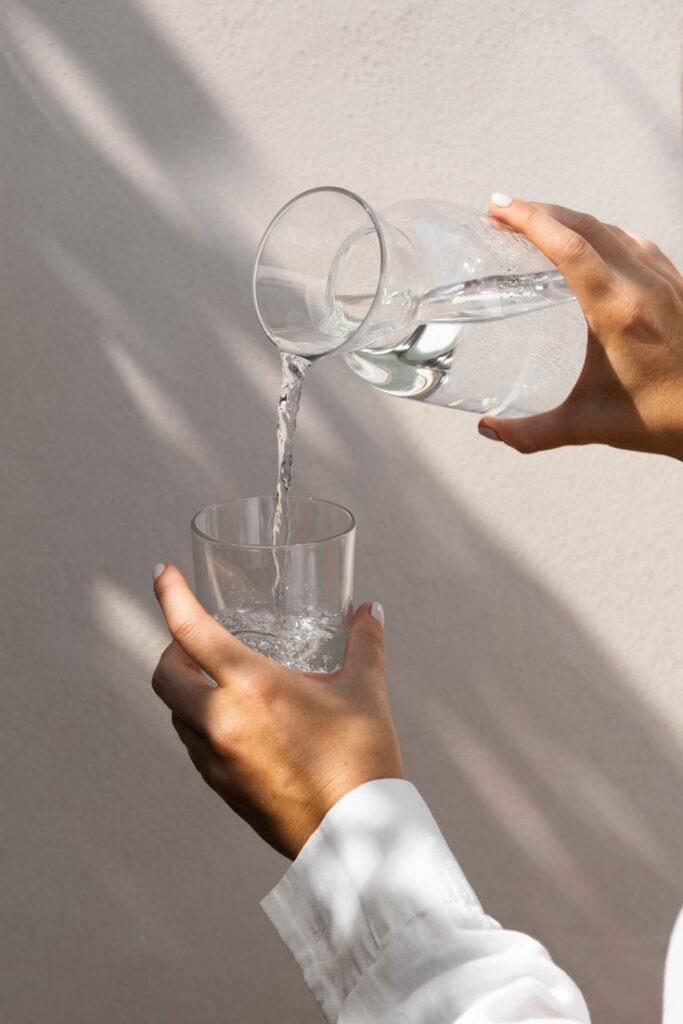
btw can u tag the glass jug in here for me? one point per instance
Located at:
(427, 300)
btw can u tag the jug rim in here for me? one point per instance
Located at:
(346, 344)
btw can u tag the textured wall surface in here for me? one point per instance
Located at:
(534, 605)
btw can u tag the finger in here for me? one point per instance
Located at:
(178, 656)
(659, 259)
(198, 746)
(538, 433)
(628, 241)
(199, 749)
(193, 629)
(181, 688)
(585, 271)
(365, 644)
(648, 253)
(187, 660)
(608, 244)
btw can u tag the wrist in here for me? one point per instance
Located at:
(335, 791)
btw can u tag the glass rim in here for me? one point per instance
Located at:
(350, 527)
(376, 223)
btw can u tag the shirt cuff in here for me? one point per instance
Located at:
(377, 861)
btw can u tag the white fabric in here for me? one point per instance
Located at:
(673, 982)
(387, 930)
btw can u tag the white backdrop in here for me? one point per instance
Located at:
(534, 605)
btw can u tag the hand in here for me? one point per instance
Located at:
(630, 393)
(279, 746)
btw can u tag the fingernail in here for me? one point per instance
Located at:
(158, 569)
(377, 612)
(488, 432)
(500, 199)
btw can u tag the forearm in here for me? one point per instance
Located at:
(386, 928)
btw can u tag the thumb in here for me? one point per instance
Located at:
(534, 433)
(365, 644)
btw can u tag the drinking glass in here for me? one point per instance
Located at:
(291, 602)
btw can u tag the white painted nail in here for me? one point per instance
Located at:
(489, 432)
(377, 613)
(158, 569)
(500, 199)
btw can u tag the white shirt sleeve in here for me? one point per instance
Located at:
(673, 978)
(387, 930)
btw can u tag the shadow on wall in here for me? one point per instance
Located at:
(125, 296)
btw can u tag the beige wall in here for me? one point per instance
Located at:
(534, 605)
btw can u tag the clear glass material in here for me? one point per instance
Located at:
(426, 300)
(239, 577)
